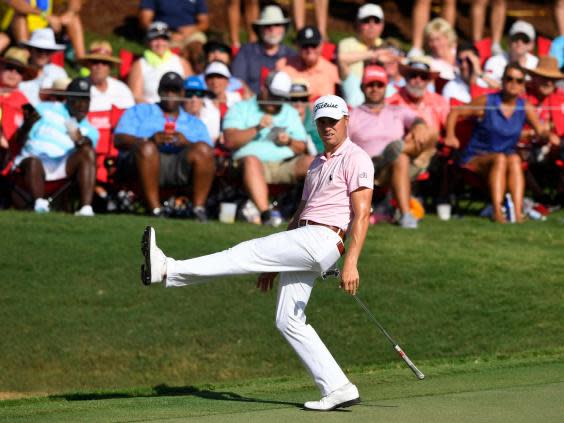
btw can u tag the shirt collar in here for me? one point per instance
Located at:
(342, 148)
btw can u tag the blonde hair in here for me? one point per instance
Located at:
(441, 26)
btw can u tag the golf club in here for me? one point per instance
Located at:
(336, 273)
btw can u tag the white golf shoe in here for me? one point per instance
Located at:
(345, 396)
(154, 269)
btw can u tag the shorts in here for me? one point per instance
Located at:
(280, 172)
(55, 169)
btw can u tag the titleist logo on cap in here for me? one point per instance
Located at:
(323, 105)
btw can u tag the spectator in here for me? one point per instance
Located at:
(165, 146)
(321, 15)
(254, 60)
(58, 142)
(157, 60)
(268, 141)
(430, 107)
(354, 51)
(440, 40)
(31, 16)
(217, 79)
(521, 43)
(217, 51)
(420, 16)
(187, 20)
(300, 95)
(234, 18)
(491, 151)
(398, 141)
(42, 46)
(497, 22)
(199, 105)
(321, 75)
(469, 74)
(390, 60)
(106, 91)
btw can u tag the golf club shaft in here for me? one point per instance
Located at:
(398, 349)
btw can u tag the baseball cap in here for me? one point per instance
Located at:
(369, 10)
(171, 81)
(299, 90)
(330, 106)
(217, 68)
(374, 73)
(79, 86)
(194, 83)
(158, 29)
(308, 36)
(279, 84)
(522, 27)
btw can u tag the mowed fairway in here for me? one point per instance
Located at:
(478, 307)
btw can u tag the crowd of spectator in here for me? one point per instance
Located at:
(194, 109)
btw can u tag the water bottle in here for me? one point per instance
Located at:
(509, 208)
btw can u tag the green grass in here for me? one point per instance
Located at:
(75, 318)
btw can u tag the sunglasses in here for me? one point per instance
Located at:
(513, 79)
(199, 94)
(371, 19)
(42, 50)
(375, 84)
(308, 46)
(520, 37)
(422, 76)
(13, 68)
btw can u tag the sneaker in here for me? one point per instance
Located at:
(389, 155)
(41, 206)
(154, 269)
(408, 221)
(496, 49)
(345, 396)
(85, 210)
(200, 214)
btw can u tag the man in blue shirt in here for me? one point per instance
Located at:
(166, 146)
(268, 140)
(57, 143)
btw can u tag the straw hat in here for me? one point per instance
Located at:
(271, 15)
(100, 51)
(19, 58)
(421, 64)
(547, 68)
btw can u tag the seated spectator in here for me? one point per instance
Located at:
(300, 95)
(321, 75)
(58, 142)
(557, 49)
(254, 60)
(42, 46)
(28, 17)
(14, 69)
(521, 43)
(440, 41)
(391, 56)
(157, 60)
(268, 141)
(399, 142)
(199, 105)
(420, 15)
(217, 80)
(188, 20)
(469, 74)
(430, 107)
(492, 149)
(364, 47)
(217, 51)
(106, 91)
(165, 146)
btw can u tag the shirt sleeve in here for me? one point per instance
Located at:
(91, 132)
(359, 171)
(235, 117)
(128, 123)
(198, 132)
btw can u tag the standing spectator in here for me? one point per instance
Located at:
(157, 60)
(187, 20)
(268, 140)
(321, 15)
(354, 51)
(441, 40)
(430, 107)
(491, 151)
(497, 22)
(521, 43)
(469, 74)
(199, 105)
(42, 46)
(398, 141)
(234, 19)
(217, 80)
(420, 16)
(58, 142)
(255, 60)
(165, 146)
(321, 75)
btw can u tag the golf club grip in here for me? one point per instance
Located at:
(405, 358)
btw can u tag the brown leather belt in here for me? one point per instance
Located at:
(337, 230)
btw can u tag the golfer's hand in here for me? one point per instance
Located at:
(265, 281)
(350, 279)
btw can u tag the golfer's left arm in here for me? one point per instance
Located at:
(361, 200)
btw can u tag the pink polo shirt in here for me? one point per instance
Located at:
(433, 108)
(374, 131)
(330, 182)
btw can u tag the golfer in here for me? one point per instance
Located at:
(336, 200)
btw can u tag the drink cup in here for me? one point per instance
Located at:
(443, 211)
(227, 212)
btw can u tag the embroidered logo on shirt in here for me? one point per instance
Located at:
(363, 175)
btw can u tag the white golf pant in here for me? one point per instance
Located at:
(300, 255)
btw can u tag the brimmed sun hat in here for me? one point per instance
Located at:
(547, 68)
(19, 58)
(421, 64)
(271, 15)
(100, 51)
(43, 39)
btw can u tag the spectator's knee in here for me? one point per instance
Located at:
(251, 163)
(200, 151)
(500, 159)
(31, 164)
(88, 154)
(146, 150)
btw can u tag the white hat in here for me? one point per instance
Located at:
(330, 106)
(369, 10)
(271, 15)
(43, 39)
(279, 83)
(217, 68)
(522, 27)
